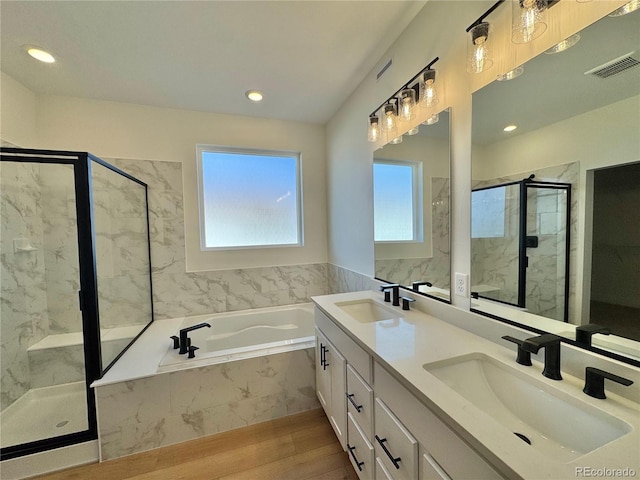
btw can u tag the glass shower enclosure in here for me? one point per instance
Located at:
(520, 245)
(75, 287)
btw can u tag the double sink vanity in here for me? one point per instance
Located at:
(414, 397)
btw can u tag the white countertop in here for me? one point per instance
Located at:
(404, 346)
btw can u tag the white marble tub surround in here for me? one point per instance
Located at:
(140, 408)
(418, 338)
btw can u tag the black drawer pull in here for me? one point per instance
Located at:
(323, 356)
(355, 405)
(355, 459)
(393, 460)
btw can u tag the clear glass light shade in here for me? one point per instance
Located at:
(396, 140)
(390, 120)
(407, 104)
(632, 6)
(478, 49)
(413, 131)
(373, 134)
(428, 92)
(528, 20)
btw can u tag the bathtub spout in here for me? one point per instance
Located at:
(184, 339)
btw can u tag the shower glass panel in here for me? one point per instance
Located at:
(547, 251)
(122, 259)
(75, 285)
(42, 369)
(495, 242)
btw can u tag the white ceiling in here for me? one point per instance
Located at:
(306, 56)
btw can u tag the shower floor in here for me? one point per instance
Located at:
(44, 413)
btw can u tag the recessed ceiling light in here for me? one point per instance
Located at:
(510, 128)
(254, 95)
(564, 45)
(41, 55)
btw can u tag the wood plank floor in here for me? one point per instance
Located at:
(297, 447)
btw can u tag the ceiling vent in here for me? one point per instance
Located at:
(615, 66)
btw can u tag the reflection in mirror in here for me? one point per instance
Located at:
(411, 210)
(561, 249)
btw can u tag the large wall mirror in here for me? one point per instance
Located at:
(556, 201)
(411, 210)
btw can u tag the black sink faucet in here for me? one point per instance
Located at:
(184, 340)
(585, 332)
(415, 286)
(395, 291)
(551, 345)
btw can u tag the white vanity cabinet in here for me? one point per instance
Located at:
(331, 384)
(352, 399)
(444, 455)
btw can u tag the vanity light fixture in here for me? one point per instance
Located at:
(254, 95)
(478, 47)
(510, 75)
(402, 105)
(632, 6)
(510, 128)
(528, 20)
(41, 55)
(413, 131)
(396, 140)
(565, 44)
(374, 129)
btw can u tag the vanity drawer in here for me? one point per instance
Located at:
(360, 450)
(354, 354)
(430, 470)
(360, 401)
(397, 448)
(381, 471)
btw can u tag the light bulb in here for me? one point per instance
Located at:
(390, 118)
(374, 129)
(429, 93)
(478, 58)
(407, 104)
(528, 20)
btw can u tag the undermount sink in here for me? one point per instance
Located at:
(551, 421)
(366, 311)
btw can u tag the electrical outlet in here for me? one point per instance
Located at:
(461, 284)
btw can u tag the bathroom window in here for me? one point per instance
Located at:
(397, 192)
(248, 198)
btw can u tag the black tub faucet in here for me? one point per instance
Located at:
(585, 332)
(395, 291)
(184, 339)
(551, 345)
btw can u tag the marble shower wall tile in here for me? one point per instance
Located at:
(22, 284)
(179, 406)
